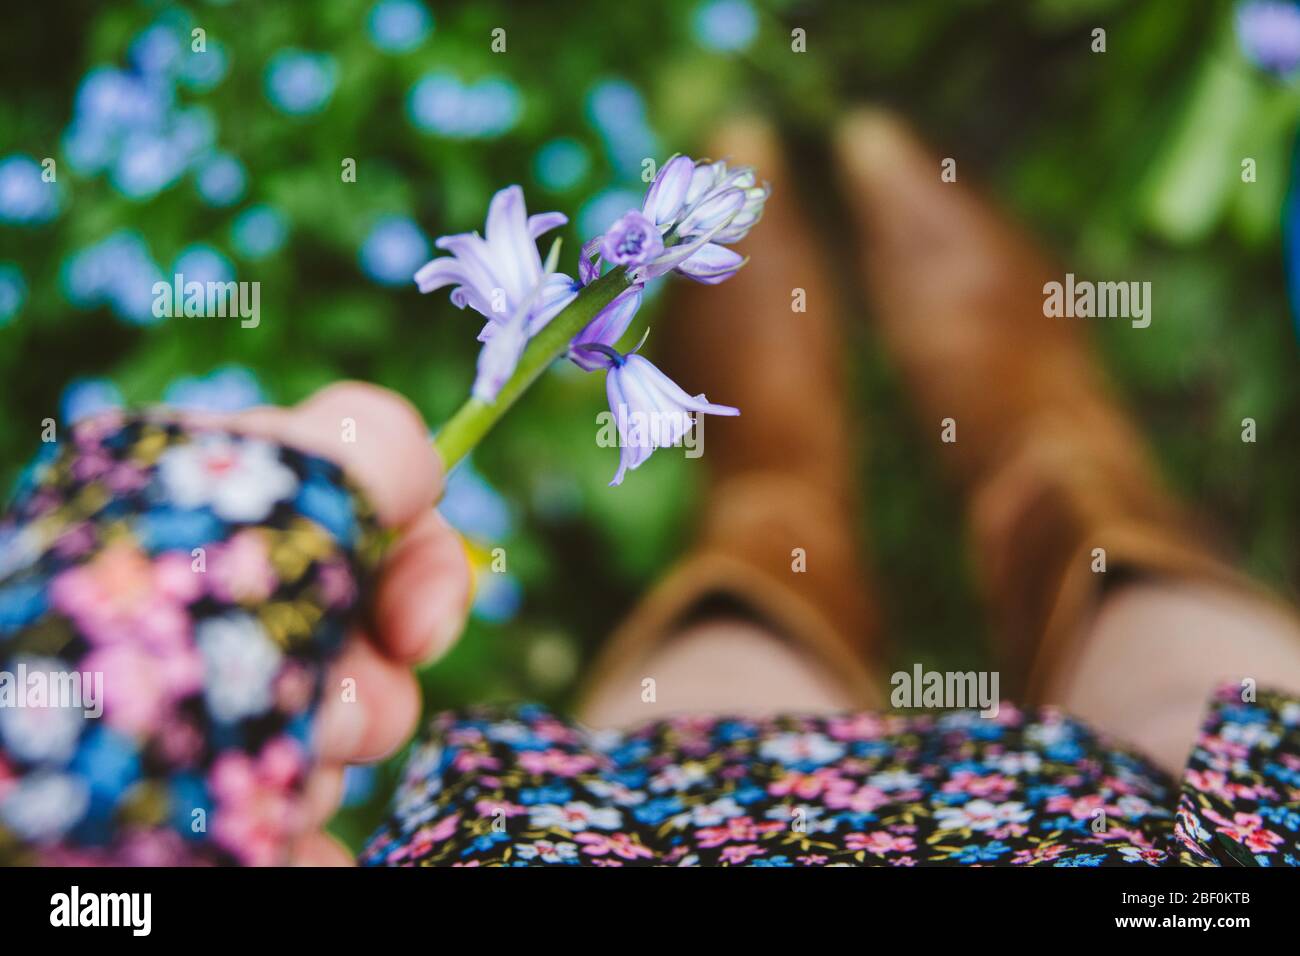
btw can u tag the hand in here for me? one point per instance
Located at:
(422, 594)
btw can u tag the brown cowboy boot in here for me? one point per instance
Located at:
(1052, 467)
(782, 489)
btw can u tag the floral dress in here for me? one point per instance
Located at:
(208, 579)
(168, 601)
(526, 788)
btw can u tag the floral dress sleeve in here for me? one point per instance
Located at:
(169, 600)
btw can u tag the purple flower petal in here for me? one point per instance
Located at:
(544, 222)
(663, 201)
(606, 328)
(712, 264)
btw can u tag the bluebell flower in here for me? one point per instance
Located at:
(618, 111)
(393, 250)
(203, 263)
(473, 507)
(84, 397)
(561, 164)
(698, 210)
(724, 25)
(300, 83)
(13, 292)
(1269, 34)
(440, 103)
(259, 231)
(498, 598)
(499, 276)
(221, 180)
(650, 410)
(203, 70)
(398, 26)
(25, 197)
(231, 388)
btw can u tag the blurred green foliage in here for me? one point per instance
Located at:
(1127, 162)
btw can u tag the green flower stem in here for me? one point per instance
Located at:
(466, 428)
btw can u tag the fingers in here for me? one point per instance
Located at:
(322, 795)
(320, 849)
(375, 435)
(424, 593)
(370, 707)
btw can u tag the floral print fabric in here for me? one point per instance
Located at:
(207, 579)
(525, 788)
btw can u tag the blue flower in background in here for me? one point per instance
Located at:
(725, 25)
(231, 388)
(203, 71)
(498, 598)
(203, 263)
(147, 164)
(473, 507)
(117, 271)
(221, 180)
(84, 397)
(398, 26)
(127, 123)
(561, 164)
(300, 83)
(25, 198)
(394, 250)
(156, 49)
(1269, 34)
(440, 103)
(618, 112)
(259, 231)
(13, 292)
(604, 208)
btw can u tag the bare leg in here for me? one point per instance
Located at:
(721, 666)
(1156, 649)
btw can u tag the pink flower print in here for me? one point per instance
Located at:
(76, 540)
(141, 685)
(121, 596)
(239, 571)
(490, 808)
(619, 844)
(257, 807)
(555, 762)
(1081, 808)
(865, 799)
(879, 842)
(806, 786)
(858, 727)
(337, 586)
(739, 854)
(426, 838)
(993, 785)
(1043, 853)
(1248, 830)
(293, 687)
(467, 761)
(737, 828)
